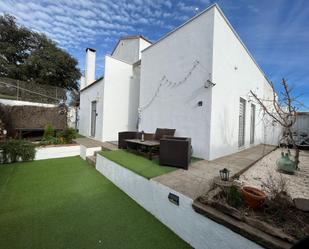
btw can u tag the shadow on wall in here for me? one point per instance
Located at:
(227, 128)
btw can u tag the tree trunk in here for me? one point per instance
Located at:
(294, 147)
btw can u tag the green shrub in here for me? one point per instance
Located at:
(50, 141)
(16, 150)
(63, 137)
(234, 197)
(67, 135)
(49, 132)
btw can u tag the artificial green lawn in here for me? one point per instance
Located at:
(138, 164)
(65, 203)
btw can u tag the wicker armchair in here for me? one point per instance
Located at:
(175, 151)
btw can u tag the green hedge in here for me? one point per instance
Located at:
(16, 150)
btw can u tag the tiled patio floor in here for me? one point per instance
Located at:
(197, 180)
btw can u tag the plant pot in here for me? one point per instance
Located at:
(253, 197)
(285, 164)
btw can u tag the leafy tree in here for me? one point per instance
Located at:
(30, 56)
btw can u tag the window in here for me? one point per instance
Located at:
(242, 122)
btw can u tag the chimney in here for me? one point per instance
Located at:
(82, 82)
(90, 66)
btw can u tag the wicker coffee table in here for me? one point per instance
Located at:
(148, 148)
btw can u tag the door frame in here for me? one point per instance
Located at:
(93, 118)
(252, 123)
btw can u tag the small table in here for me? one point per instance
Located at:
(147, 148)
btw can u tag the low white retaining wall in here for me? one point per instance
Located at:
(57, 152)
(197, 230)
(84, 151)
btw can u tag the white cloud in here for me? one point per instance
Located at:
(73, 23)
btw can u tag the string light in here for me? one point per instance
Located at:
(173, 84)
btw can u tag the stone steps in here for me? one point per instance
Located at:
(92, 159)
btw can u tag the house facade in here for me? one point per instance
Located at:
(110, 104)
(197, 79)
(200, 85)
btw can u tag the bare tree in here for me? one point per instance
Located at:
(282, 110)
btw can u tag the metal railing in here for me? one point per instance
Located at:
(31, 91)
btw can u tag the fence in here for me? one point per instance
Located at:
(30, 91)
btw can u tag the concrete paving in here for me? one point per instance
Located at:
(91, 143)
(199, 177)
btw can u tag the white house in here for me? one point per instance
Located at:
(196, 79)
(110, 104)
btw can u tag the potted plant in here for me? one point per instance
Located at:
(253, 197)
(285, 164)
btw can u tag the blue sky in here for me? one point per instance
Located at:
(276, 32)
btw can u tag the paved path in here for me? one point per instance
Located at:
(91, 143)
(198, 179)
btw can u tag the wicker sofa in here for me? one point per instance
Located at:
(160, 133)
(173, 151)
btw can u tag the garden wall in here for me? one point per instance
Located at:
(34, 117)
(85, 152)
(57, 151)
(197, 230)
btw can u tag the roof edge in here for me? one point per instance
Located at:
(123, 61)
(214, 5)
(93, 83)
(180, 26)
(131, 37)
(242, 43)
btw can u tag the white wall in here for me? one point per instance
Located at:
(177, 106)
(302, 123)
(85, 152)
(272, 131)
(121, 96)
(56, 152)
(195, 229)
(142, 45)
(127, 50)
(22, 103)
(235, 74)
(93, 93)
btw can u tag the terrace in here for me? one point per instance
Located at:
(201, 186)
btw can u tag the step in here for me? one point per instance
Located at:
(91, 160)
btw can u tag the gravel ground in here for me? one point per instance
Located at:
(297, 184)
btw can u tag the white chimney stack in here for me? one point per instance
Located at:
(90, 66)
(82, 82)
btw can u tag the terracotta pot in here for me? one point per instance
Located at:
(253, 197)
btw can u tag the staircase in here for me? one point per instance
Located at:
(89, 143)
(93, 159)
